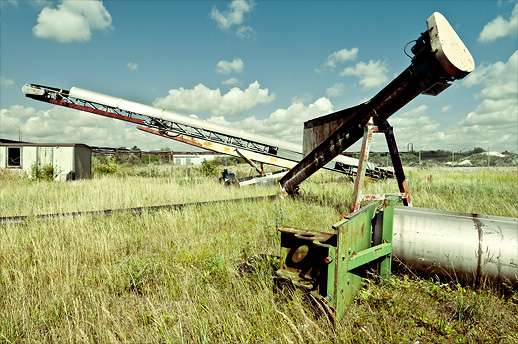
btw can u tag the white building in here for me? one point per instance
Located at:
(69, 161)
(193, 158)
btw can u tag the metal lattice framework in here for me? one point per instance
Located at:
(62, 98)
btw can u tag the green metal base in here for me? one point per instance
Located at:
(330, 265)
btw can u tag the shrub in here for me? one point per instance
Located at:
(104, 166)
(45, 172)
(209, 168)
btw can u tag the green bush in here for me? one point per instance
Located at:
(45, 172)
(209, 168)
(103, 166)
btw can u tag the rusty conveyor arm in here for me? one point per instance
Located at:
(434, 55)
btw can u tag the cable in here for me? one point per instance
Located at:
(406, 45)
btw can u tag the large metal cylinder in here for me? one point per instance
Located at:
(460, 245)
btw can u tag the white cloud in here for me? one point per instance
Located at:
(493, 123)
(499, 80)
(4, 82)
(132, 66)
(72, 21)
(340, 57)
(226, 67)
(232, 81)
(245, 32)
(446, 108)
(335, 90)
(202, 99)
(305, 98)
(499, 27)
(371, 75)
(4, 3)
(499, 107)
(64, 125)
(234, 15)
(285, 124)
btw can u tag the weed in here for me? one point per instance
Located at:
(173, 276)
(45, 172)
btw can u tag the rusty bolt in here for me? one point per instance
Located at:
(328, 259)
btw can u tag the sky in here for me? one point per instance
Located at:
(261, 66)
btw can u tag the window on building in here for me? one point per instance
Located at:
(14, 157)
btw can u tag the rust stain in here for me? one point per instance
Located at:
(478, 226)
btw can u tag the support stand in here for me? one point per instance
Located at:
(362, 166)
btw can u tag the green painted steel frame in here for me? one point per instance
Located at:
(331, 266)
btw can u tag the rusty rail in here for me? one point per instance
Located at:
(136, 210)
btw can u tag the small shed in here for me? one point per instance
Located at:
(193, 158)
(69, 161)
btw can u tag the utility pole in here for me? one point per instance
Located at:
(452, 158)
(19, 133)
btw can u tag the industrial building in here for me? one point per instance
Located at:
(69, 161)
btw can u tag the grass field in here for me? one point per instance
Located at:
(173, 276)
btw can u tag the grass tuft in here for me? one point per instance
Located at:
(204, 274)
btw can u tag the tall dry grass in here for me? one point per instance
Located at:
(175, 276)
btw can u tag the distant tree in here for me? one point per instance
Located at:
(477, 150)
(135, 148)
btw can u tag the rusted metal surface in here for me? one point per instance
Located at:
(250, 162)
(423, 74)
(362, 168)
(136, 210)
(358, 196)
(468, 246)
(71, 105)
(318, 129)
(185, 128)
(396, 163)
(330, 266)
(216, 147)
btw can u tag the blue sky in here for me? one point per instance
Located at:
(263, 66)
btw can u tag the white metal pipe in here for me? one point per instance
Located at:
(172, 116)
(457, 244)
(127, 105)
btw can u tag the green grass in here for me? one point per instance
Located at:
(174, 276)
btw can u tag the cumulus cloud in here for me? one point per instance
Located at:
(371, 75)
(285, 124)
(227, 67)
(499, 96)
(4, 82)
(132, 66)
(305, 98)
(446, 108)
(234, 15)
(72, 21)
(232, 81)
(499, 80)
(335, 90)
(500, 27)
(3, 3)
(492, 124)
(245, 32)
(202, 99)
(340, 57)
(64, 125)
